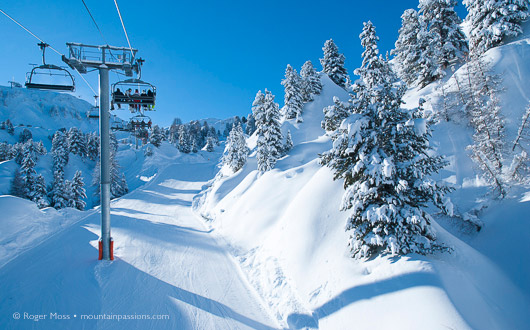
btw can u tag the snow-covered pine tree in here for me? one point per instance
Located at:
(77, 192)
(92, 146)
(335, 114)
(59, 196)
(293, 100)
(288, 142)
(194, 146)
(311, 84)
(210, 144)
(271, 127)
(406, 51)
(373, 65)
(5, 151)
(333, 63)
(27, 170)
(383, 155)
(60, 150)
(491, 21)
(428, 66)
(9, 127)
(156, 136)
(483, 109)
(236, 150)
(77, 143)
(267, 115)
(25, 135)
(17, 152)
(251, 125)
(18, 185)
(39, 192)
(184, 143)
(443, 21)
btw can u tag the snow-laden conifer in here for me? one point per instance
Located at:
(407, 52)
(39, 193)
(288, 145)
(77, 192)
(335, 114)
(294, 100)
(92, 146)
(236, 150)
(5, 151)
(311, 84)
(428, 65)
(184, 143)
(60, 150)
(491, 21)
(269, 145)
(77, 143)
(382, 152)
(333, 63)
(156, 136)
(374, 67)
(442, 20)
(59, 195)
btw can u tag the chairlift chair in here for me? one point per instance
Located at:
(117, 126)
(135, 96)
(54, 71)
(94, 110)
(140, 121)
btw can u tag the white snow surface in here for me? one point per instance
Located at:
(214, 249)
(167, 264)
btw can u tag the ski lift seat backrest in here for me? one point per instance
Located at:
(135, 97)
(51, 70)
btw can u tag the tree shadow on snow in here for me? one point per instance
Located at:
(362, 292)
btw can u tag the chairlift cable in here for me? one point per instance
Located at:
(123, 25)
(96, 24)
(55, 50)
(27, 30)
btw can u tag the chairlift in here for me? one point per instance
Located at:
(117, 126)
(134, 92)
(33, 78)
(15, 84)
(140, 121)
(94, 110)
(142, 134)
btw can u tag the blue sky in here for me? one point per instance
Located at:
(207, 58)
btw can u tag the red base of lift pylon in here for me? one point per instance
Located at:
(100, 246)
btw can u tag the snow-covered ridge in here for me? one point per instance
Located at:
(286, 230)
(44, 109)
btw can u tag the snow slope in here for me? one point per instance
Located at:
(42, 112)
(288, 234)
(167, 263)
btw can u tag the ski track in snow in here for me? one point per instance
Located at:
(167, 263)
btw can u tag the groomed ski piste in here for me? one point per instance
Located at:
(199, 247)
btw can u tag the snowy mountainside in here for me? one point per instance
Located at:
(43, 111)
(286, 230)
